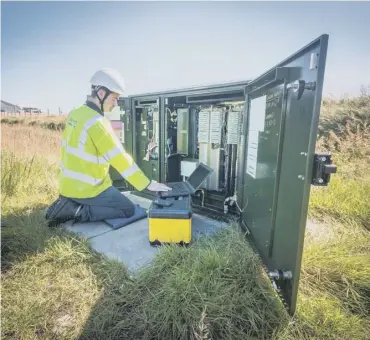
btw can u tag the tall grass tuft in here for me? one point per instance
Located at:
(50, 292)
(333, 300)
(26, 181)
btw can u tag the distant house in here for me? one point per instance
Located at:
(31, 110)
(8, 107)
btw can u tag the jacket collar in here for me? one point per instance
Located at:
(93, 106)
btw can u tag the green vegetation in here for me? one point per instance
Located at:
(345, 132)
(55, 286)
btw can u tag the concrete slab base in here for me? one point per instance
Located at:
(130, 244)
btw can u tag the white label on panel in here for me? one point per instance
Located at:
(156, 132)
(155, 115)
(216, 127)
(233, 127)
(203, 131)
(252, 153)
(313, 61)
(257, 114)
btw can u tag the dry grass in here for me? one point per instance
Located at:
(337, 113)
(46, 122)
(54, 286)
(30, 158)
(347, 198)
(334, 296)
(51, 282)
(26, 141)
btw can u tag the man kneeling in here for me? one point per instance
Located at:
(89, 148)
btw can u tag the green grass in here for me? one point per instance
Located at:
(26, 181)
(345, 132)
(333, 300)
(55, 286)
(168, 299)
(334, 296)
(50, 290)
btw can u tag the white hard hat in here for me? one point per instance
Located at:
(110, 79)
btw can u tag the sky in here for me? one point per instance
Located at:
(50, 50)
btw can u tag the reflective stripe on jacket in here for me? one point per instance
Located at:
(89, 147)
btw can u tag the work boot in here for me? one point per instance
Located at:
(62, 210)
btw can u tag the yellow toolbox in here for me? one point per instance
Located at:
(170, 224)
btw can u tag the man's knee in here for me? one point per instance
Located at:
(128, 208)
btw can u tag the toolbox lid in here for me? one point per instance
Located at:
(180, 209)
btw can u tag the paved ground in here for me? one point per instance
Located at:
(130, 244)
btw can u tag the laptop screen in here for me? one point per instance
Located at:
(199, 175)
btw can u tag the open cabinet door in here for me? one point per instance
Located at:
(276, 163)
(125, 122)
(146, 151)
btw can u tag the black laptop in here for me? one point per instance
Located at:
(197, 177)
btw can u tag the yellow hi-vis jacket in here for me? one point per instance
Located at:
(89, 146)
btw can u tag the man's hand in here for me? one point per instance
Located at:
(154, 186)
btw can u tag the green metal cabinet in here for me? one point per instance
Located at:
(276, 163)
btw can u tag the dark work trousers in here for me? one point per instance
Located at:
(107, 205)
